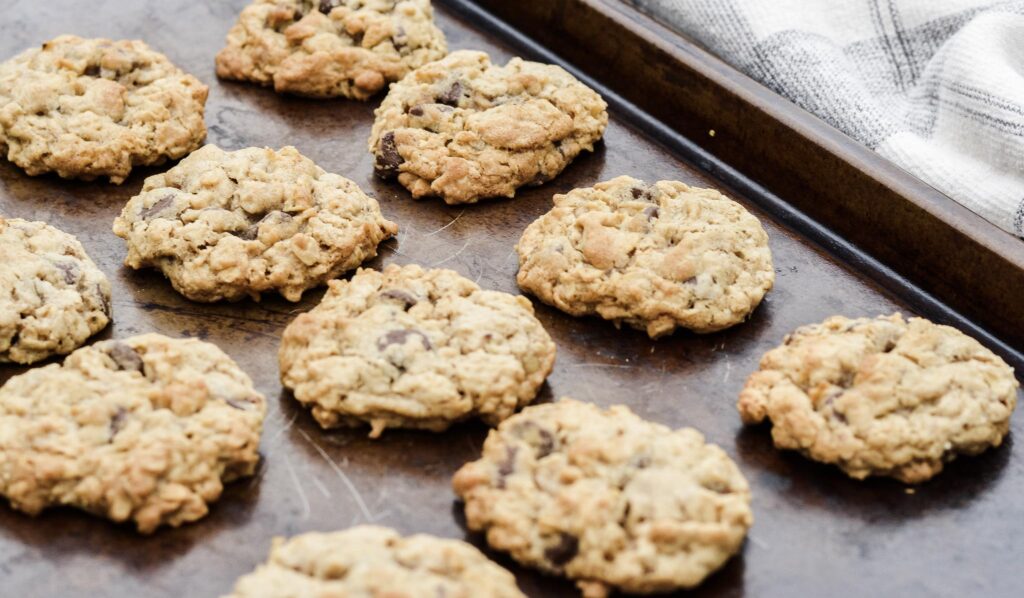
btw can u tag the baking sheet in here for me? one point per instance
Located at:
(817, 533)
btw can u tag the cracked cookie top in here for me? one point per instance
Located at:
(328, 48)
(85, 108)
(414, 348)
(606, 498)
(882, 396)
(227, 225)
(53, 296)
(655, 257)
(145, 429)
(375, 562)
(464, 129)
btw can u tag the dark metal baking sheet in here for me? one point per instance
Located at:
(817, 533)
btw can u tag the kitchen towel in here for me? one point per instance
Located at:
(936, 86)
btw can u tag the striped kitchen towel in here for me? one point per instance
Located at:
(936, 86)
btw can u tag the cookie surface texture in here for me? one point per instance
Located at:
(145, 429)
(330, 48)
(464, 129)
(229, 225)
(414, 348)
(882, 396)
(88, 108)
(52, 295)
(375, 562)
(606, 498)
(655, 257)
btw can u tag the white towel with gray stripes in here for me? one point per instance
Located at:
(936, 86)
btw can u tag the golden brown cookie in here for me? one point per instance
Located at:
(882, 396)
(607, 499)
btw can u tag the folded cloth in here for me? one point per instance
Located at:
(936, 86)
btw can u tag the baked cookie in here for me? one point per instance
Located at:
(606, 498)
(328, 48)
(86, 108)
(414, 348)
(464, 129)
(229, 225)
(882, 396)
(375, 562)
(652, 256)
(145, 429)
(52, 296)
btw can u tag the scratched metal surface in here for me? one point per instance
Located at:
(817, 533)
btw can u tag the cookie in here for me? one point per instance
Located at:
(330, 48)
(655, 257)
(228, 225)
(53, 296)
(87, 108)
(605, 498)
(882, 396)
(463, 129)
(145, 429)
(414, 348)
(375, 562)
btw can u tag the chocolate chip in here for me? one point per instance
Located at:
(565, 550)
(889, 346)
(297, 15)
(406, 298)
(717, 486)
(416, 111)
(117, 422)
(154, 210)
(507, 466)
(388, 159)
(93, 70)
(400, 39)
(543, 442)
(249, 233)
(124, 356)
(326, 6)
(451, 96)
(400, 337)
(651, 212)
(637, 192)
(253, 230)
(103, 299)
(69, 270)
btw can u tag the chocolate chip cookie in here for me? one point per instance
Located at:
(882, 396)
(87, 108)
(145, 429)
(655, 257)
(228, 225)
(52, 296)
(463, 129)
(414, 348)
(375, 562)
(329, 48)
(605, 498)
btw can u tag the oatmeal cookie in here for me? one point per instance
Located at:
(328, 48)
(145, 429)
(464, 129)
(607, 499)
(87, 108)
(375, 562)
(882, 396)
(52, 296)
(228, 225)
(414, 348)
(655, 257)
